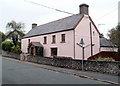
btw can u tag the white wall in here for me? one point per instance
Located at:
(109, 49)
(24, 45)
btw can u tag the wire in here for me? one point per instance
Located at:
(108, 13)
(49, 7)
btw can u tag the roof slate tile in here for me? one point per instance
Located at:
(63, 24)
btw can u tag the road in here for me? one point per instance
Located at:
(16, 72)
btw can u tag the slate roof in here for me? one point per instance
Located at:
(106, 43)
(67, 23)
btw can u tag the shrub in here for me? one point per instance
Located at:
(7, 45)
(16, 49)
(104, 59)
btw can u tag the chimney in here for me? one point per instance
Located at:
(84, 9)
(34, 25)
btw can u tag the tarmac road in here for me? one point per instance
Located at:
(16, 72)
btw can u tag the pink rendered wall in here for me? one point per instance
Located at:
(64, 49)
(83, 31)
(67, 49)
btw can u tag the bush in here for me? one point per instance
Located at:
(16, 49)
(7, 45)
(104, 59)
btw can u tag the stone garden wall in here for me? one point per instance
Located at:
(107, 67)
(95, 66)
(11, 55)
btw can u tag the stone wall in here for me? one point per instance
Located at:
(40, 60)
(95, 66)
(11, 55)
(103, 67)
(107, 67)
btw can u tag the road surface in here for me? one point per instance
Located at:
(16, 72)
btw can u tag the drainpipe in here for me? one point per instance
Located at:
(91, 42)
(74, 41)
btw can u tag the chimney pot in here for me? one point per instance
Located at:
(84, 9)
(34, 25)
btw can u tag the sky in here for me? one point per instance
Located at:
(104, 13)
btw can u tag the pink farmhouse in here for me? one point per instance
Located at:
(61, 37)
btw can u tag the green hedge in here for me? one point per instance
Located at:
(7, 45)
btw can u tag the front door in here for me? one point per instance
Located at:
(53, 51)
(32, 50)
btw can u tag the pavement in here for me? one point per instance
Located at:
(111, 79)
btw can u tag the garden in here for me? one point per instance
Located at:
(8, 46)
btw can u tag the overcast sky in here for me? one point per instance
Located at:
(101, 11)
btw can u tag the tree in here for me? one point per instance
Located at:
(2, 36)
(15, 31)
(114, 36)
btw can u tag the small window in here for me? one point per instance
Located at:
(28, 41)
(45, 40)
(53, 39)
(63, 38)
(93, 33)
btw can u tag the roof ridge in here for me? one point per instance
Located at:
(58, 20)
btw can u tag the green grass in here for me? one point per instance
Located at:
(104, 59)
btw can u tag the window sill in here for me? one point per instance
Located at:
(53, 43)
(44, 43)
(63, 42)
(53, 55)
